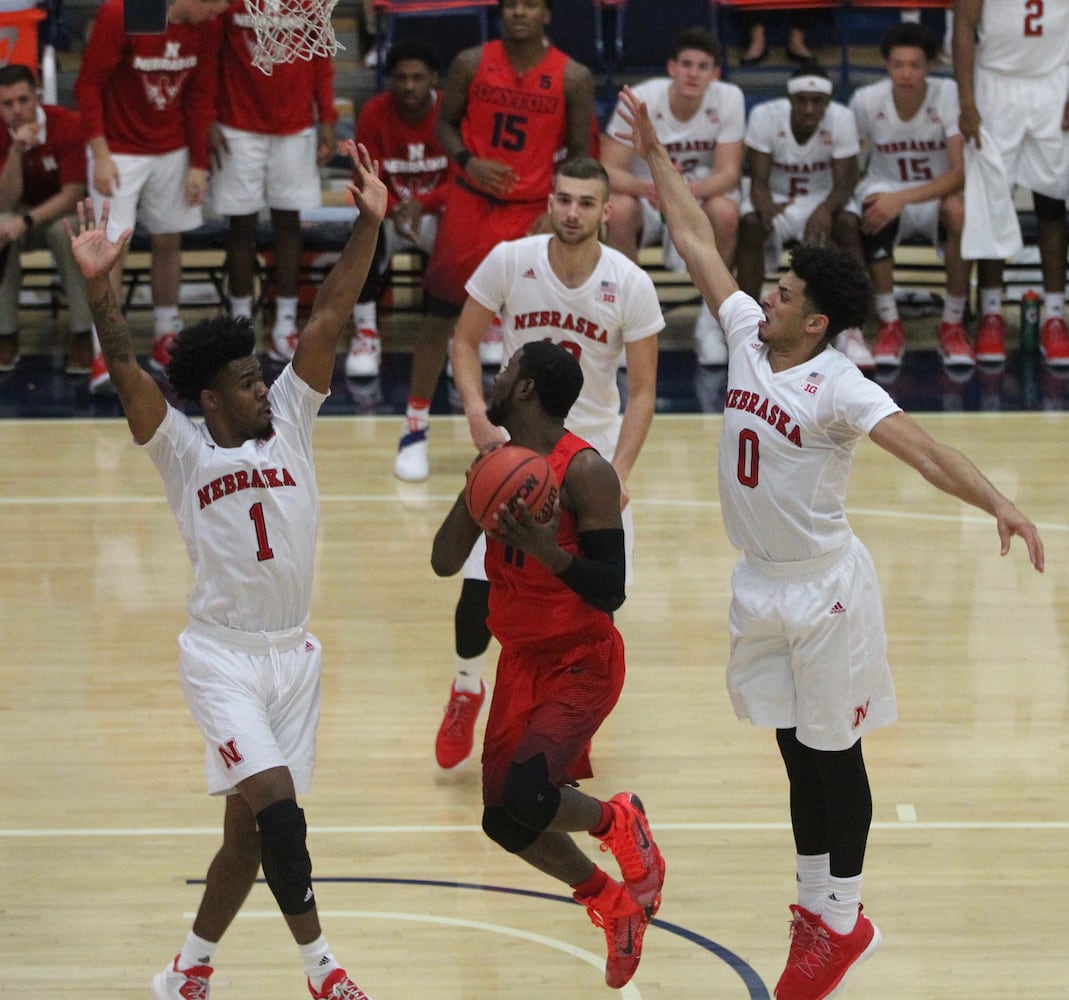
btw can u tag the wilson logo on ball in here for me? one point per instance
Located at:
(505, 475)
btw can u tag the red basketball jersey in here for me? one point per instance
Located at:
(528, 604)
(518, 119)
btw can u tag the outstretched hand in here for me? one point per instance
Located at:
(94, 253)
(369, 193)
(642, 136)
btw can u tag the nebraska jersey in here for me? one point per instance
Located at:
(691, 144)
(248, 515)
(518, 119)
(903, 154)
(413, 164)
(520, 585)
(1023, 37)
(801, 170)
(149, 94)
(787, 442)
(617, 304)
(294, 97)
(57, 159)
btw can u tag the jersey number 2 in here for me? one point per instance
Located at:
(263, 547)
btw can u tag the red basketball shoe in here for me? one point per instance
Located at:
(624, 923)
(632, 845)
(824, 963)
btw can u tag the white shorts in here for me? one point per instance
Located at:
(809, 650)
(267, 171)
(790, 223)
(255, 699)
(917, 221)
(1024, 116)
(152, 191)
(475, 565)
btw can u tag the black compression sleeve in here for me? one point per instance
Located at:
(599, 577)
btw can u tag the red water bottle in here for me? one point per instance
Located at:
(1030, 322)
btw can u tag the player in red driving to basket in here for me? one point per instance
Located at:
(561, 669)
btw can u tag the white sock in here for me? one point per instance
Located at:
(990, 301)
(813, 874)
(1053, 305)
(96, 341)
(241, 306)
(365, 316)
(196, 951)
(470, 674)
(841, 902)
(317, 960)
(285, 312)
(954, 308)
(166, 319)
(886, 310)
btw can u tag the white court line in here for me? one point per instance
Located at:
(629, 992)
(1040, 826)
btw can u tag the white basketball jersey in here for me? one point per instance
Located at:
(617, 304)
(691, 144)
(787, 442)
(1023, 37)
(248, 515)
(801, 170)
(903, 154)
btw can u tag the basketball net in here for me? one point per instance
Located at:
(288, 30)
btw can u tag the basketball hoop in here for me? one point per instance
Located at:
(288, 30)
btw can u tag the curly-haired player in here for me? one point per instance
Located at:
(808, 647)
(243, 490)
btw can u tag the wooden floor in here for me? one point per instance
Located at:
(106, 827)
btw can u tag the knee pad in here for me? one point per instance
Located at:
(1048, 209)
(469, 621)
(879, 245)
(503, 830)
(528, 796)
(284, 856)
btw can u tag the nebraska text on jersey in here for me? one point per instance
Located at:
(235, 482)
(561, 321)
(752, 402)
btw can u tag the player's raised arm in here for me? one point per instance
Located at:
(313, 360)
(96, 256)
(690, 228)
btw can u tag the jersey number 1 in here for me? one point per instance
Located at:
(263, 547)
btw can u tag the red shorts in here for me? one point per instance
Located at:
(470, 227)
(550, 700)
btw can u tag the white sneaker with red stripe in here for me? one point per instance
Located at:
(365, 354)
(182, 984)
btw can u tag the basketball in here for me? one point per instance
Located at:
(508, 474)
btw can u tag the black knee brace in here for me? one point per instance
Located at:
(528, 796)
(1048, 209)
(503, 830)
(469, 621)
(284, 855)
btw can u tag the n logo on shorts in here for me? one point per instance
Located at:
(230, 753)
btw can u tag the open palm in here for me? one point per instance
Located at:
(95, 253)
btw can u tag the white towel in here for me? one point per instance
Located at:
(992, 230)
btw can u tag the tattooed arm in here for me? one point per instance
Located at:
(142, 400)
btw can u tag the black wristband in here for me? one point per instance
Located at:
(462, 158)
(27, 221)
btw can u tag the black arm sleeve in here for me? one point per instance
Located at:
(599, 577)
